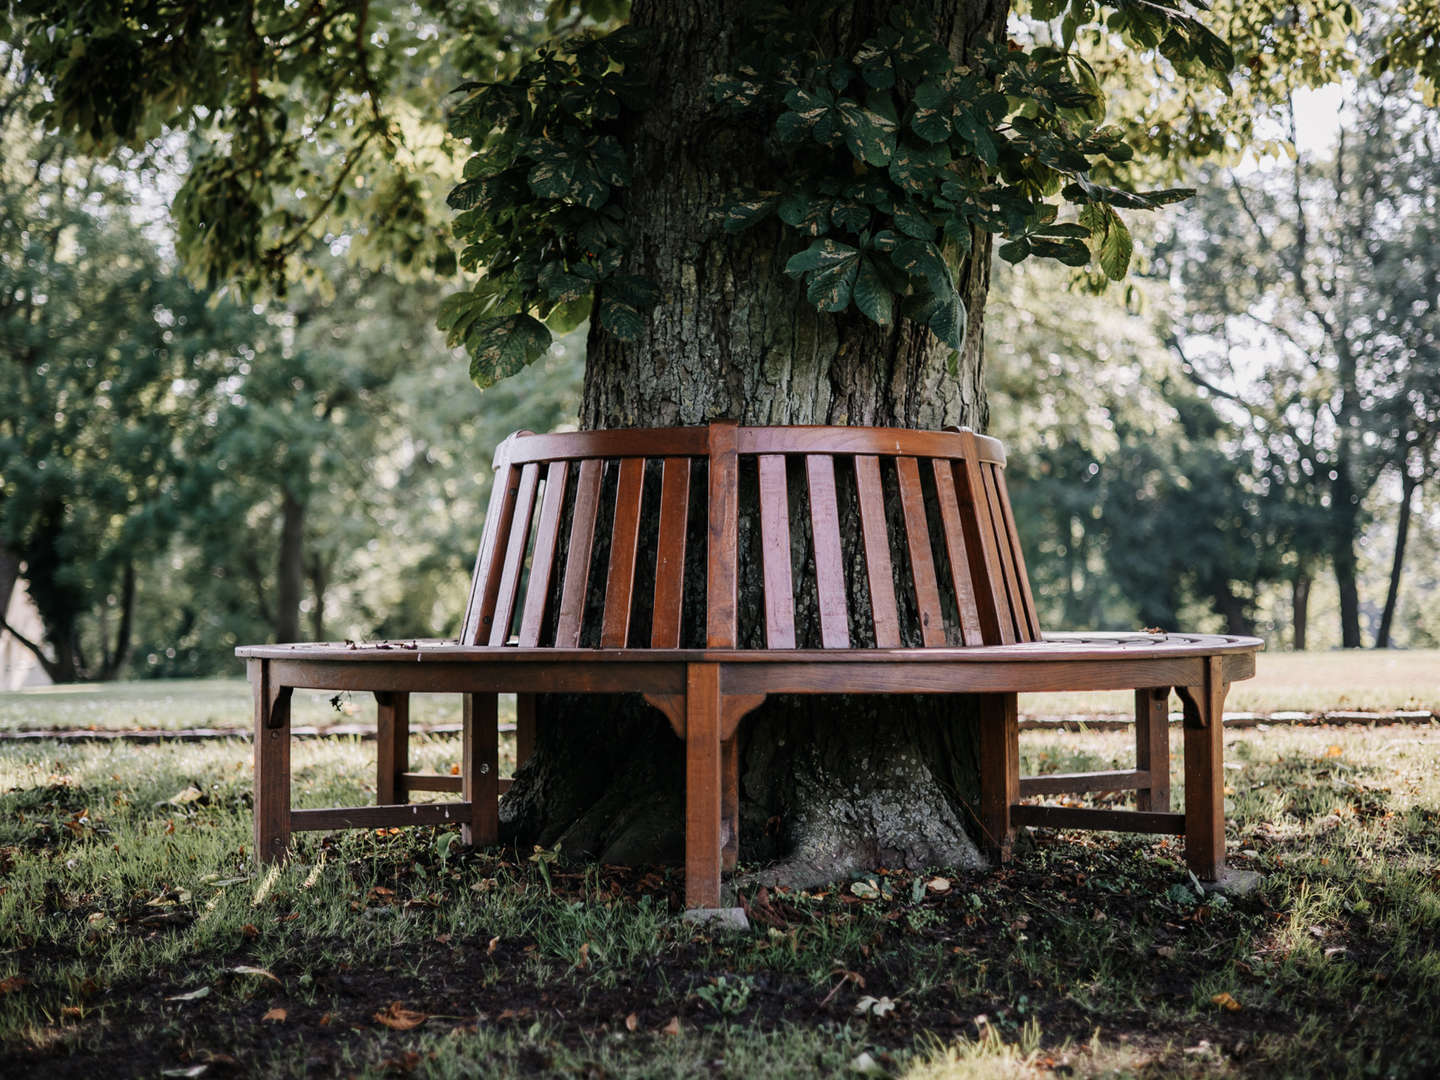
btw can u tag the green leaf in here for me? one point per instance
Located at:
(1015, 250)
(1116, 249)
(922, 259)
(621, 319)
(868, 132)
(804, 211)
(741, 215)
(977, 135)
(501, 347)
(564, 318)
(821, 255)
(871, 294)
(943, 313)
(1071, 252)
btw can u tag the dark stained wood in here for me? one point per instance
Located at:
(705, 692)
(829, 559)
(624, 442)
(1031, 624)
(1205, 772)
(1075, 783)
(272, 763)
(954, 529)
(775, 553)
(379, 817)
(514, 566)
(480, 770)
(1152, 747)
(392, 743)
(999, 772)
(624, 538)
(885, 442)
(1011, 593)
(985, 569)
(542, 559)
(722, 575)
(703, 800)
(878, 569)
(486, 584)
(1066, 817)
(415, 781)
(670, 553)
(922, 562)
(577, 560)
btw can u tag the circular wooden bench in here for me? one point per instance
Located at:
(611, 562)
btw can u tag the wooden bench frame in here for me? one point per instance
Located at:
(991, 646)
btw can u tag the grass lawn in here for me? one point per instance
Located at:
(136, 940)
(1306, 682)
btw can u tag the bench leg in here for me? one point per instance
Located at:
(1205, 772)
(999, 772)
(392, 739)
(524, 728)
(480, 770)
(730, 802)
(1152, 747)
(272, 764)
(703, 782)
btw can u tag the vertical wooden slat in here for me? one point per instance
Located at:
(999, 771)
(829, 559)
(577, 561)
(1204, 773)
(703, 800)
(542, 559)
(514, 556)
(878, 569)
(954, 529)
(1014, 604)
(670, 554)
(775, 553)
(392, 742)
(1152, 747)
(624, 539)
(480, 769)
(1031, 622)
(485, 582)
(722, 622)
(985, 568)
(922, 560)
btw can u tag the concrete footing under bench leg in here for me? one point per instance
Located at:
(724, 918)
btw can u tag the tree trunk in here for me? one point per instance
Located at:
(827, 784)
(290, 569)
(1397, 562)
(319, 582)
(1299, 609)
(1345, 514)
(121, 653)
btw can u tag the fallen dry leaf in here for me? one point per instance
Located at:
(494, 944)
(672, 1028)
(70, 1012)
(193, 995)
(246, 969)
(632, 1022)
(13, 983)
(584, 961)
(1225, 1001)
(277, 1014)
(938, 885)
(398, 1018)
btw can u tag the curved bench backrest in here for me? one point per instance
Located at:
(935, 560)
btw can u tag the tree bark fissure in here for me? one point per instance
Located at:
(828, 785)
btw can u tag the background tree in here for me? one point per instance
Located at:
(1324, 346)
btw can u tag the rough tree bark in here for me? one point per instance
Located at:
(827, 784)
